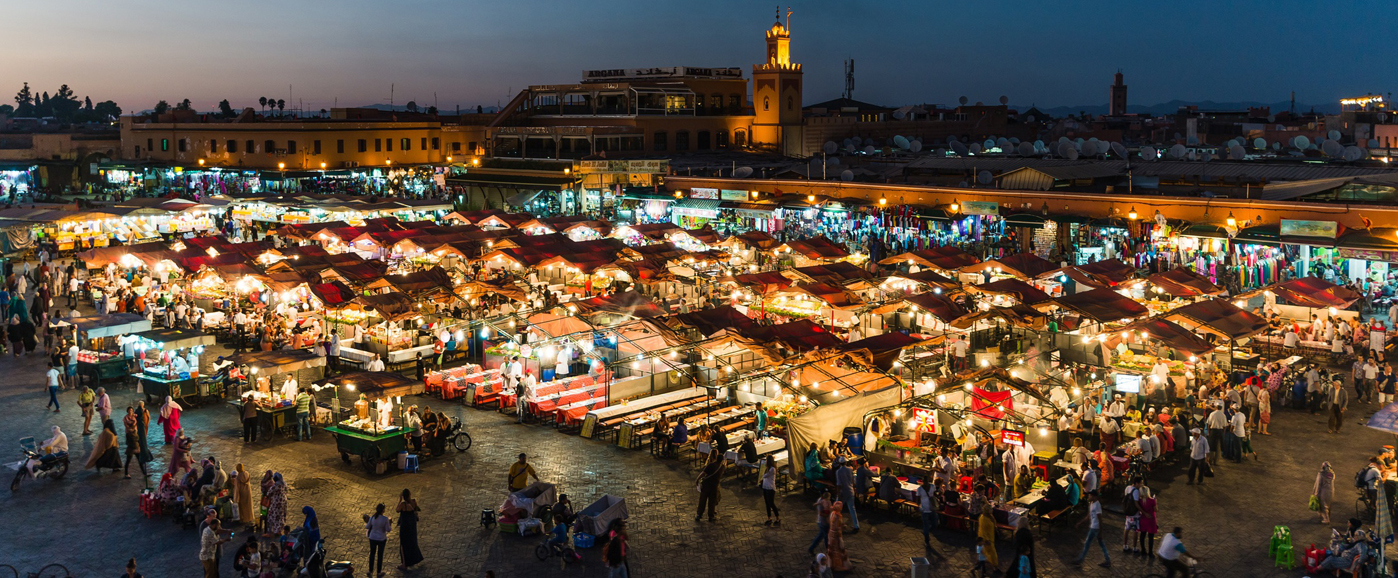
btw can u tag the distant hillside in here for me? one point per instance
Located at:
(423, 108)
(1173, 106)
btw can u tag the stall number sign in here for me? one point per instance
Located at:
(1012, 437)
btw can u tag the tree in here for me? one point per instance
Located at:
(6, 109)
(162, 107)
(322, 113)
(262, 101)
(411, 106)
(225, 109)
(107, 109)
(431, 110)
(87, 103)
(480, 109)
(24, 97)
(184, 105)
(281, 105)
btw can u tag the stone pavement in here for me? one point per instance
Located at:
(90, 523)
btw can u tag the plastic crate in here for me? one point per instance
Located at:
(583, 541)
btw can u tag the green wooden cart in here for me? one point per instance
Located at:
(370, 447)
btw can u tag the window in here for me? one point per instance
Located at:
(436, 143)
(378, 145)
(765, 103)
(407, 144)
(471, 148)
(388, 144)
(232, 146)
(424, 144)
(150, 144)
(659, 139)
(681, 140)
(721, 139)
(456, 147)
(790, 103)
(735, 102)
(165, 144)
(699, 103)
(315, 147)
(717, 102)
(269, 147)
(340, 146)
(138, 151)
(291, 147)
(363, 145)
(213, 146)
(183, 144)
(703, 144)
(248, 147)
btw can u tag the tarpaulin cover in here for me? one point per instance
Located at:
(1315, 292)
(945, 258)
(1021, 291)
(799, 335)
(1183, 283)
(1112, 269)
(177, 338)
(1020, 315)
(555, 325)
(834, 273)
(628, 303)
(390, 306)
(1022, 265)
(96, 326)
(419, 282)
(596, 519)
(283, 281)
(939, 306)
(1221, 317)
(509, 290)
(1103, 305)
(834, 295)
(823, 376)
(101, 256)
(1172, 335)
(711, 321)
(18, 239)
(359, 272)
(333, 293)
(991, 405)
(764, 282)
(378, 384)
(881, 350)
(929, 277)
(817, 248)
(280, 361)
(828, 422)
(753, 240)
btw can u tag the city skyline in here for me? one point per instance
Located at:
(439, 53)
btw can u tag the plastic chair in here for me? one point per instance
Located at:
(965, 485)
(411, 464)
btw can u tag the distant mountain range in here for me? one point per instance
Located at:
(1173, 106)
(423, 108)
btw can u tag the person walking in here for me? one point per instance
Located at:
(169, 419)
(985, 530)
(1094, 532)
(927, 497)
(53, 385)
(835, 540)
(133, 444)
(769, 490)
(708, 485)
(1198, 457)
(103, 404)
(822, 506)
(250, 420)
(303, 415)
(520, 472)
(377, 527)
(1339, 402)
(1216, 424)
(615, 554)
(409, 553)
(844, 481)
(86, 400)
(209, 542)
(1324, 491)
(1264, 410)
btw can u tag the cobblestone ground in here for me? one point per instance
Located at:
(91, 524)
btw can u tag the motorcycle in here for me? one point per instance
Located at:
(318, 567)
(55, 466)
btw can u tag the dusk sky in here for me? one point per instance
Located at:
(471, 52)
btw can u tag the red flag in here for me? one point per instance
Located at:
(991, 405)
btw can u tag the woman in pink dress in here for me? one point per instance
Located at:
(170, 419)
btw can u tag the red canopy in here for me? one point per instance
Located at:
(1103, 305)
(1315, 292)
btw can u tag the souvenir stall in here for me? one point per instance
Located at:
(254, 374)
(168, 363)
(944, 261)
(1162, 354)
(396, 334)
(1235, 329)
(105, 347)
(374, 429)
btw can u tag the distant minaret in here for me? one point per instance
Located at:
(1117, 106)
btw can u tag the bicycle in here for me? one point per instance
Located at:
(547, 549)
(1192, 572)
(458, 436)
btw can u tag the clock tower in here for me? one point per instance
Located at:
(776, 94)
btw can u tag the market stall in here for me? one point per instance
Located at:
(169, 364)
(104, 354)
(374, 429)
(254, 373)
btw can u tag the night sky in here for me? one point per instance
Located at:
(472, 52)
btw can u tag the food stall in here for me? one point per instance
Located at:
(276, 407)
(102, 357)
(164, 369)
(374, 428)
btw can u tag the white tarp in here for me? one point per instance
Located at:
(828, 422)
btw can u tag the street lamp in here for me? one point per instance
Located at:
(883, 201)
(448, 158)
(322, 166)
(201, 162)
(281, 166)
(1232, 222)
(567, 170)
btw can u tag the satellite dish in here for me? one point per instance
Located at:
(901, 142)
(965, 184)
(1148, 153)
(849, 148)
(832, 161)
(950, 139)
(899, 115)
(980, 103)
(987, 145)
(1088, 148)
(1029, 118)
(1236, 152)
(830, 147)
(846, 142)
(847, 175)
(1038, 144)
(1206, 157)
(1373, 143)
(1063, 139)
(1177, 152)
(742, 172)
(1004, 100)
(869, 149)
(1061, 149)
(959, 148)
(963, 100)
(1333, 148)
(1301, 142)
(1259, 143)
(1276, 146)
(1025, 149)
(976, 148)
(984, 177)
(1334, 135)
(1119, 149)
(1072, 154)
(1230, 144)
(856, 141)
(1352, 154)
(1194, 140)
(1014, 140)
(915, 146)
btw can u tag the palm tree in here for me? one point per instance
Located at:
(281, 106)
(262, 101)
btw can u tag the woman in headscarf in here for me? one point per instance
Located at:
(835, 539)
(242, 494)
(206, 478)
(1324, 490)
(821, 567)
(170, 418)
(14, 321)
(310, 535)
(220, 481)
(180, 457)
(142, 430)
(985, 530)
(104, 451)
(133, 445)
(276, 507)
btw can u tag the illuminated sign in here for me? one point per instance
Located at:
(1362, 100)
(980, 208)
(699, 193)
(1322, 229)
(1012, 437)
(637, 167)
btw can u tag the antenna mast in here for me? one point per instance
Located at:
(849, 79)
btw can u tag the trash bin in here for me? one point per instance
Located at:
(921, 568)
(854, 438)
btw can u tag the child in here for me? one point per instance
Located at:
(981, 562)
(1247, 446)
